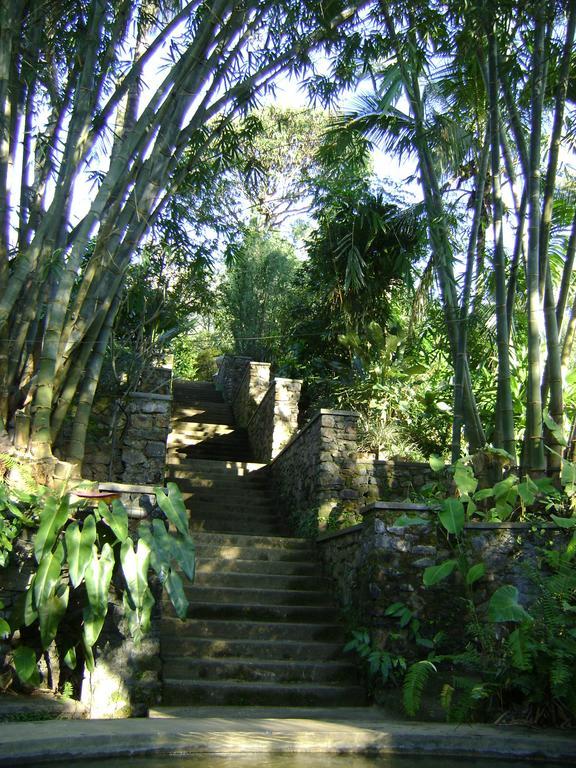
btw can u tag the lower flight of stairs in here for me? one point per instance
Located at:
(262, 627)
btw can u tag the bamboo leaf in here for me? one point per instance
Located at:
(436, 573)
(452, 515)
(52, 518)
(79, 545)
(504, 606)
(173, 507)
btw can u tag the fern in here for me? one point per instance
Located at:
(469, 693)
(414, 684)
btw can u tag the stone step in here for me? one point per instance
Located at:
(256, 670)
(285, 694)
(216, 469)
(240, 596)
(235, 487)
(198, 525)
(273, 567)
(222, 454)
(255, 581)
(257, 542)
(217, 648)
(223, 517)
(170, 628)
(261, 555)
(193, 479)
(181, 433)
(258, 612)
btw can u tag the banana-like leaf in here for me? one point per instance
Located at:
(97, 577)
(452, 515)
(50, 613)
(175, 590)
(52, 518)
(48, 576)
(79, 545)
(173, 507)
(116, 518)
(25, 665)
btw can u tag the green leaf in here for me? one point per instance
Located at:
(173, 507)
(79, 545)
(564, 522)
(568, 474)
(464, 478)
(452, 515)
(47, 576)
(504, 606)
(135, 564)
(187, 556)
(475, 573)
(4, 629)
(30, 612)
(520, 650)
(25, 665)
(52, 518)
(503, 488)
(444, 407)
(436, 463)
(50, 613)
(115, 518)
(526, 493)
(70, 658)
(175, 590)
(555, 429)
(407, 520)
(97, 577)
(436, 573)
(484, 493)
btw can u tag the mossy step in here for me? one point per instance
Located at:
(232, 526)
(170, 628)
(256, 670)
(256, 542)
(217, 647)
(254, 554)
(285, 694)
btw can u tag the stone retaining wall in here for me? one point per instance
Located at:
(315, 474)
(379, 479)
(251, 391)
(275, 420)
(378, 563)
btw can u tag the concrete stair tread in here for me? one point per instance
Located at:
(272, 567)
(259, 612)
(200, 594)
(246, 628)
(254, 670)
(253, 541)
(271, 650)
(242, 468)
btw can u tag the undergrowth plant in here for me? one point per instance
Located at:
(78, 551)
(512, 656)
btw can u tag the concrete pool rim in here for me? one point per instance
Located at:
(53, 741)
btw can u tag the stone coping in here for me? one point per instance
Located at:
(322, 537)
(251, 730)
(149, 396)
(127, 488)
(403, 506)
(309, 423)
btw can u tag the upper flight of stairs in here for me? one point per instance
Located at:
(263, 628)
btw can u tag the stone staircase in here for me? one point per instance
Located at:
(263, 628)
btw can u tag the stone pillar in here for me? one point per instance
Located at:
(251, 391)
(143, 447)
(275, 420)
(231, 370)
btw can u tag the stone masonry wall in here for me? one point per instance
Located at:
(275, 420)
(251, 391)
(377, 563)
(378, 479)
(314, 475)
(231, 370)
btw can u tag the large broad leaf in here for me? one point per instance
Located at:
(4, 628)
(48, 576)
(163, 550)
(452, 515)
(70, 658)
(116, 518)
(564, 522)
(79, 545)
(30, 612)
(25, 665)
(173, 507)
(187, 556)
(505, 489)
(436, 463)
(135, 564)
(98, 576)
(175, 590)
(475, 573)
(436, 573)
(464, 479)
(52, 518)
(555, 429)
(50, 613)
(504, 606)
(138, 619)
